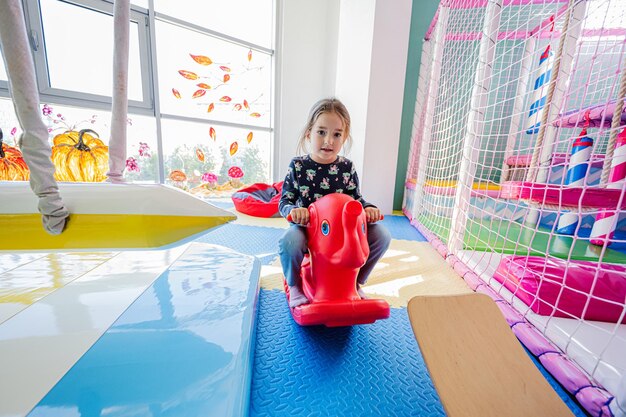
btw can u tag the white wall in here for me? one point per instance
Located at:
(306, 61)
(355, 50)
(384, 107)
(356, 33)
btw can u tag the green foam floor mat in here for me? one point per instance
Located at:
(510, 237)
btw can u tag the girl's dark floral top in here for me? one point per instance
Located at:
(307, 181)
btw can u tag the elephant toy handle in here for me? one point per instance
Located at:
(289, 219)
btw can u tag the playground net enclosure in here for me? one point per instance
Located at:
(516, 174)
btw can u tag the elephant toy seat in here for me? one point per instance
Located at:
(338, 248)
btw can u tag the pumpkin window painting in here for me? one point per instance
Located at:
(12, 165)
(80, 156)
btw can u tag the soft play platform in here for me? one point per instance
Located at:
(509, 237)
(183, 348)
(574, 289)
(592, 116)
(448, 188)
(107, 216)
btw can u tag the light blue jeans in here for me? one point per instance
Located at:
(293, 246)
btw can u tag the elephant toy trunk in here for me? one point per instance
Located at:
(355, 250)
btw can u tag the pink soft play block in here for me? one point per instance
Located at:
(601, 114)
(558, 159)
(538, 282)
(563, 195)
(450, 191)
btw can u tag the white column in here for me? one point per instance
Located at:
(471, 144)
(518, 105)
(354, 61)
(438, 40)
(306, 59)
(371, 69)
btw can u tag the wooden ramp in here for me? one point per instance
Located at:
(477, 365)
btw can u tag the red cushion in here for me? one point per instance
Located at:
(259, 200)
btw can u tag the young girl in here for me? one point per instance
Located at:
(313, 176)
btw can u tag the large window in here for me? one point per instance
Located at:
(246, 20)
(73, 51)
(3, 72)
(200, 85)
(209, 78)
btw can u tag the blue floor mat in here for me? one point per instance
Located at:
(261, 242)
(222, 203)
(401, 228)
(373, 370)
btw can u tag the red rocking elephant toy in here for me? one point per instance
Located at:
(338, 248)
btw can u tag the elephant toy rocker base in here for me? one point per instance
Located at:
(338, 248)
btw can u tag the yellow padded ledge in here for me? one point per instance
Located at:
(106, 216)
(477, 365)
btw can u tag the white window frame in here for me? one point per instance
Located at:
(47, 92)
(4, 86)
(150, 106)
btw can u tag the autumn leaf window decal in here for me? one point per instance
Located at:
(209, 77)
(229, 88)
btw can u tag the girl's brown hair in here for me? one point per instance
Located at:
(327, 105)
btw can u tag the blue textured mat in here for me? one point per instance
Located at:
(224, 203)
(372, 370)
(400, 228)
(261, 242)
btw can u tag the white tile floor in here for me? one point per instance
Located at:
(53, 307)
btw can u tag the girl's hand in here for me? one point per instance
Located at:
(372, 214)
(299, 215)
